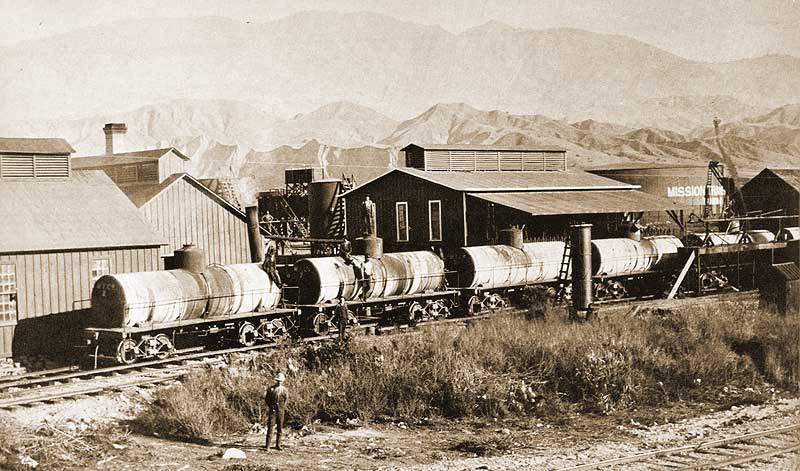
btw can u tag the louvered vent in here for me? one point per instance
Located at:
(34, 166)
(13, 166)
(52, 166)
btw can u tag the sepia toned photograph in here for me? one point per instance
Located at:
(399, 235)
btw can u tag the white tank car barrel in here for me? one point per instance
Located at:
(502, 266)
(150, 298)
(758, 237)
(622, 256)
(789, 233)
(324, 279)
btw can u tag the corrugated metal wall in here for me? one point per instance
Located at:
(60, 282)
(184, 214)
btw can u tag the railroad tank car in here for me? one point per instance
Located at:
(625, 257)
(789, 233)
(759, 236)
(160, 297)
(325, 279)
(503, 266)
(714, 239)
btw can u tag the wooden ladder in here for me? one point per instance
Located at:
(293, 219)
(563, 271)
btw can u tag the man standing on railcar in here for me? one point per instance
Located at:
(276, 397)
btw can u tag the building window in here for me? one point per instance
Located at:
(100, 267)
(401, 211)
(8, 294)
(435, 220)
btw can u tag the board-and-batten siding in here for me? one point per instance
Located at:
(185, 214)
(60, 282)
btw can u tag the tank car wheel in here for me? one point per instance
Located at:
(415, 313)
(273, 329)
(164, 346)
(127, 352)
(248, 334)
(617, 290)
(436, 310)
(474, 305)
(494, 301)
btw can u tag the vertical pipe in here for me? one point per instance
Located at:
(254, 235)
(581, 268)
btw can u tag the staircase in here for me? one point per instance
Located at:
(563, 271)
(230, 194)
(292, 218)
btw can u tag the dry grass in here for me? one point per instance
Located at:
(510, 365)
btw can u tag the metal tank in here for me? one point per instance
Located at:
(502, 266)
(240, 288)
(136, 299)
(492, 266)
(324, 279)
(322, 197)
(682, 183)
(544, 261)
(714, 239)
(190, 258)
(194, 294)
(623, 256)
(789, 233)
(759, 236)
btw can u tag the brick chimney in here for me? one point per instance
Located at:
(111, 129)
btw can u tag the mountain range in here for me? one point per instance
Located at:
(346, 91)
(398, 68)
(228, 138)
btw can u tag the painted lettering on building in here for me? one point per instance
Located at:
(696, 191)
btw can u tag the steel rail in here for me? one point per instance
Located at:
(702, 447)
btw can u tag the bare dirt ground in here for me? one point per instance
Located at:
(438, 446)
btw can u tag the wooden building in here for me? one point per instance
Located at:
(774, 189)
(146, 167)
(476, 158)
(421, 210)
(187, 212)
(61, 231)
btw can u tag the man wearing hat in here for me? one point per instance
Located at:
(276, 397)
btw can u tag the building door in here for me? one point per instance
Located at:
(8, 294)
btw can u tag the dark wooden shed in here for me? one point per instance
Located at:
(774, 189)
(417, 209)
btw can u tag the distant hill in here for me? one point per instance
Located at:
(396, 68)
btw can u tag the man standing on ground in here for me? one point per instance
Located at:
(275, 398)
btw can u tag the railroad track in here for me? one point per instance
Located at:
(49, 386)
(757, 449)
(625, 306)
(53, 385)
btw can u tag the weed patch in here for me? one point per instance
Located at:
(514, 365)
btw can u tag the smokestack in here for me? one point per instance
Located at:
(582, 269)
(254, 235)
(111, 129)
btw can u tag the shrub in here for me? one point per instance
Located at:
(510, 364)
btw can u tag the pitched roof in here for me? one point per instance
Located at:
(485, 147)
(790, 175)
(642, 166)
(84, 211)
(544, 203)
(473, 182)
(140, 195)
(20, 145)
(124, 158)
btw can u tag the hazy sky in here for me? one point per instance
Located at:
(711, 30)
